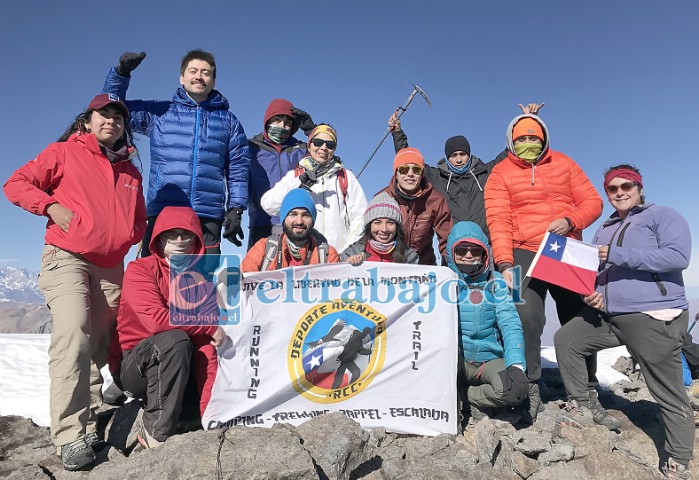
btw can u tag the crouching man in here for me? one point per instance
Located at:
(298, 244)
(157, 352)
(492, 343)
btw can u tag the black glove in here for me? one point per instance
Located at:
(303, 120)
(232, 231)
(128, 63)
(515, 386)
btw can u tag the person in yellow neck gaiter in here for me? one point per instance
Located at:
(528, 139)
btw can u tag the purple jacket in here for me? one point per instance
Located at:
(647, 252)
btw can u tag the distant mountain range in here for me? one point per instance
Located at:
(22, 308)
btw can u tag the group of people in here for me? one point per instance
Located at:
(305, 207)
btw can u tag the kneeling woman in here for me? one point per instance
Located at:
(492, 343)
(383, 239)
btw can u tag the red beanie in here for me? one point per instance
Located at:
(407, 156)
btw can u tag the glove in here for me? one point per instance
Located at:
(303, 120)
(232, 231)
(128, 63)
(515, 386)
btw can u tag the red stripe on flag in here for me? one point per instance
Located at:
(564, 275)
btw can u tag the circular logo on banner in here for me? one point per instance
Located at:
(336, 350)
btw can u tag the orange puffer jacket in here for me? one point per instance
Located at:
(522, 199)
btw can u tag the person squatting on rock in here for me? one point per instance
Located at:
(535, 190)
(273, 153)
(161, 353)
(423, 209)
(336, 192)
(299, 244)
(491, 362)
(92, 195)
(198, 149)
(383, 239)
(639, 302)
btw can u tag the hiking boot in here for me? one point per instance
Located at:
(146, 440)
(477, 414)
(600, 415)
(77, 455)
(675, 471)
(575, 415)
(94, 442)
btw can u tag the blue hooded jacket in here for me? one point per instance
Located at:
(195, 151)
(489, 325)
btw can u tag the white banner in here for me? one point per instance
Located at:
(376, 342)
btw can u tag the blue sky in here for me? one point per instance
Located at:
(620, 79)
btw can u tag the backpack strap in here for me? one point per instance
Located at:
(342, 180)
(270, 252)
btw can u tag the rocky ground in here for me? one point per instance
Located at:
(335, 447)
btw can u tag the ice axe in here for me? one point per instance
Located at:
(399, 112)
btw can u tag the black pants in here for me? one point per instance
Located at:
(210, 227)
(257, 233)
(655, 344)
(533, 315)
(156, 372)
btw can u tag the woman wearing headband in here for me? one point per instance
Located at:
(639, 302)
(338, 196)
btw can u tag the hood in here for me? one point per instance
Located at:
(216, 101)
(89, 141)
(510, 140)
(470, 232)
(279, 106)
(176, 217)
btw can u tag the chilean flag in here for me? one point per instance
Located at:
(566, 262)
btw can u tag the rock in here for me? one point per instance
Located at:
(123, 427)
(523, 466)
(26, 449)
(337, 444)
(487, 441)
(531, 443)
(602, 466)
(558, 453)
(586, 441)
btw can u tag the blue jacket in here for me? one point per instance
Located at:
(489, 325)
(195, 151)
(267, 167)
(647, 252)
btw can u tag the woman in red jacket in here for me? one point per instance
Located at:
(532, 191)
(92, 195)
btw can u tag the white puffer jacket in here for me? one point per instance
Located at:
(340, 221)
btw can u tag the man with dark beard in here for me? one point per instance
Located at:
(298, 245)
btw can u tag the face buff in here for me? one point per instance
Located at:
(177, 247)
(278, 134)
(528, 151)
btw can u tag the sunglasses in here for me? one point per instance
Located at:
(175, 234)
(463, 250)
(625, 187)
(319, 142)
(405, 169)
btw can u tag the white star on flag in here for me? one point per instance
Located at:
(314, 361)
(555, 246)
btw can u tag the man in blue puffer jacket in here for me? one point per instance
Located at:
(197, 148)
(492, 343)
(273, 153)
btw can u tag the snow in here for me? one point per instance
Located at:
(24, 376)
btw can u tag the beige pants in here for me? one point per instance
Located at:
(83, 300)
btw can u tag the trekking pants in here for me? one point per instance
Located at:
(484, 384)
(655, 344)
(83, 299)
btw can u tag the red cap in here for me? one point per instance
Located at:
(527, 126)
(104, 99)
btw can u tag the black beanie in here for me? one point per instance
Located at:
(454, 144)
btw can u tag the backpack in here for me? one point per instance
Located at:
(272, 248)
(341, 178)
